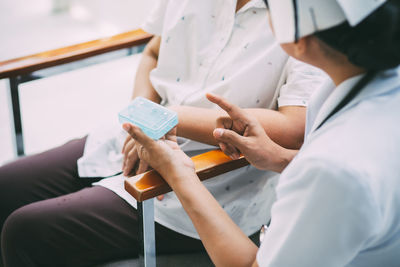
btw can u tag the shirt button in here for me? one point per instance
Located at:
(263, 230)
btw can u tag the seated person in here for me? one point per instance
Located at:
(54, 216)
(338, 201)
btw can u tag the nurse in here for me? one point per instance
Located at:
(338, 200)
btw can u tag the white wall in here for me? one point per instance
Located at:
(14, 10)
(65, 106)
(28, 27)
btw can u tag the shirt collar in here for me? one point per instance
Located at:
(384, 82)
(252, 4)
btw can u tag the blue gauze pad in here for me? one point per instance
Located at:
(153, 119)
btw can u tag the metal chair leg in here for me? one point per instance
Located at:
(16, 115)
(147, 252)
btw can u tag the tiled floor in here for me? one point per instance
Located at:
(70, 104)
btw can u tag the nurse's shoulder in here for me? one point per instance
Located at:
(364, 134)
(352, 161)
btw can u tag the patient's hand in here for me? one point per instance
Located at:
(164, 155)
(132, 165)
(241, 133)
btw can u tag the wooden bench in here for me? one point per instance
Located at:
(20, 70)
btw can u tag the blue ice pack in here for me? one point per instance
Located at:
(153, 119)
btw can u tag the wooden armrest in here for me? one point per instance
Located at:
(210, 164)
(28, 64)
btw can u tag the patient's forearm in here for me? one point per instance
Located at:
(285, 127)
(143, 86)
(226, 244)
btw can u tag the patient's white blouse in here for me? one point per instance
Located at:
(207, 47)
(338, 202)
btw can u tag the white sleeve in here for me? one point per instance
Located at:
(154, 23)
(301, 80)
(323, 217)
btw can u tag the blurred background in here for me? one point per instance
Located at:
(67, 105)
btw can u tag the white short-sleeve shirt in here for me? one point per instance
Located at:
(338, 202)
(208, 47)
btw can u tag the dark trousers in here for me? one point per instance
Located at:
(51, 217)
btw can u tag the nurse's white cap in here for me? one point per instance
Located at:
(316, 15)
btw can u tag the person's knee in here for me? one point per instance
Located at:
(20, 237)
(12, 191)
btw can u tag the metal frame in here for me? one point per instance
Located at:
(15, 81)
(147, 241)
(15, 111)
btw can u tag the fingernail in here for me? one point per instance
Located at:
(218, 132)
(126, 126)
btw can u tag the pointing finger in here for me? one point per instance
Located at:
(233, 111)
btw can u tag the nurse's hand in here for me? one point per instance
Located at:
(241, 133)
(132, 165)
(164, 155)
